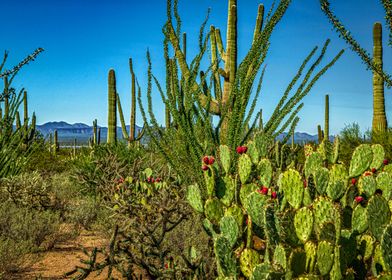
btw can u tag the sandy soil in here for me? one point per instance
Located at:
(64, 257)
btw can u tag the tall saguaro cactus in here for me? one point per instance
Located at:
(112, 110)
(379, 117)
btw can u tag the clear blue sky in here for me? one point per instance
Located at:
(83, 39)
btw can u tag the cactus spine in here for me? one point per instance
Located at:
(112, 110)
(379, 116)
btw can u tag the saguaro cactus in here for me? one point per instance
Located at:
(95, 135)
(112, 110)
(379, 116)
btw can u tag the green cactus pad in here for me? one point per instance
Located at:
(246, 190)
(337, 182)
(336, 272)
(224, 257)
(311, 253)
(254, 206)
(379, 215)
(325, 257)
(237, 213)
(303, 223)
(213, 210)
(209, 228)
(307, 200)
(253, 152)
(225, 190)
(265, 272)
(386, 247)
(367, 185)
(224, 154)
(209, 178)
(279, 257)
(361, 160)
(313, 162)
(327, 232)
(366, 244)
(388, 169)
(292, 185)
(378, 260)
(286, 227)
(248, 260)
(359, 221)
(271, 231)
(378, 156)
(297, 262)
(229, 229)
(384, 183)
(321, 179)
(324, 211)
(193, 196)
(264, 168)
(244, 168)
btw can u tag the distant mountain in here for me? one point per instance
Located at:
(79, 131)
(82, 132)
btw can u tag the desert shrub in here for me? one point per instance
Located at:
(96, 171)
(27, 225)
(12, 255)
(350, 137)
(84, 212)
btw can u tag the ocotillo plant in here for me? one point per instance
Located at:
(112, 108)
(355, 46)
(197, 97)
(131, 136)
(379, 117)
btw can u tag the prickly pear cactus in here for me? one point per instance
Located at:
(359, 219)
(293, 187)
(264, 168)
(384, 183)
(303, 223)
(337, 182)
(194, 198)
(253, 152)
(321, 179)
(379, 215)
(213, 209)
(312, 162)
(244, 167)
(279, 257)
(361, 160)
(378, 156)
(254, 207)
(224, 153)
(311, 254)
(367, 185)
(229, 229)
(248, 260)
(325, 257)
(386, 246)
(224, 256)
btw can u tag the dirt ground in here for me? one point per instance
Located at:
(53, 264)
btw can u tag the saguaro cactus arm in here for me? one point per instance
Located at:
(112, 110)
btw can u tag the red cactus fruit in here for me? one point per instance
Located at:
(374, 170)
(211, 160)
(149, 179)
(305, 184)
(152, 180)
(166, 266)
(353, 181)
(206, 160)
(241, 149)
(385, 162)
(358, 199)
(264, 190)
(274, 195)
(204, 167)
(244, 149)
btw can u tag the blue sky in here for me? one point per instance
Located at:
(83, 39)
